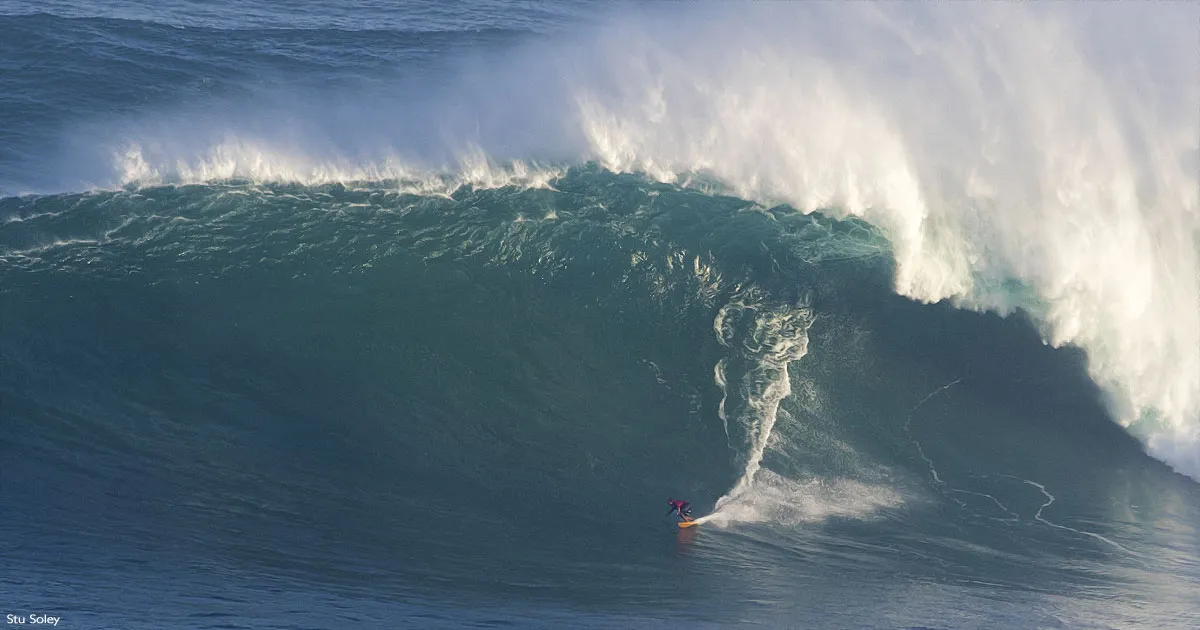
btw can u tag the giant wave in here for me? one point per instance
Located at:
(903, 295)
(1039, 159)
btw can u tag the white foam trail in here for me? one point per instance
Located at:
(1049, 501)
(781, 501)
(937, 479)
(767, 339)
(763, 338)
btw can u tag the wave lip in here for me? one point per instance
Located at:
(239, 160)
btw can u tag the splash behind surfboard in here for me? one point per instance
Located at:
(694, 522)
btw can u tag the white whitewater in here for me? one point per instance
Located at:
(763, 339)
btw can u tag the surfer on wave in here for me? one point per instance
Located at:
(682, 507)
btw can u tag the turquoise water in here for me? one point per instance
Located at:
(298, 328)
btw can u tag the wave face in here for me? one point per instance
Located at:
(441, 397)
(1018, 158)
(421, 315)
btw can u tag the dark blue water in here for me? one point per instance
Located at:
(321, 316)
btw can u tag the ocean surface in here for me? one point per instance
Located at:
(413, 314)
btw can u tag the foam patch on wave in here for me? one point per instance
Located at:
(763, 338)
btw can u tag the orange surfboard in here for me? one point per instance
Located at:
(688, 523)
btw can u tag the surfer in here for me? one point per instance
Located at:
(683, 507)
